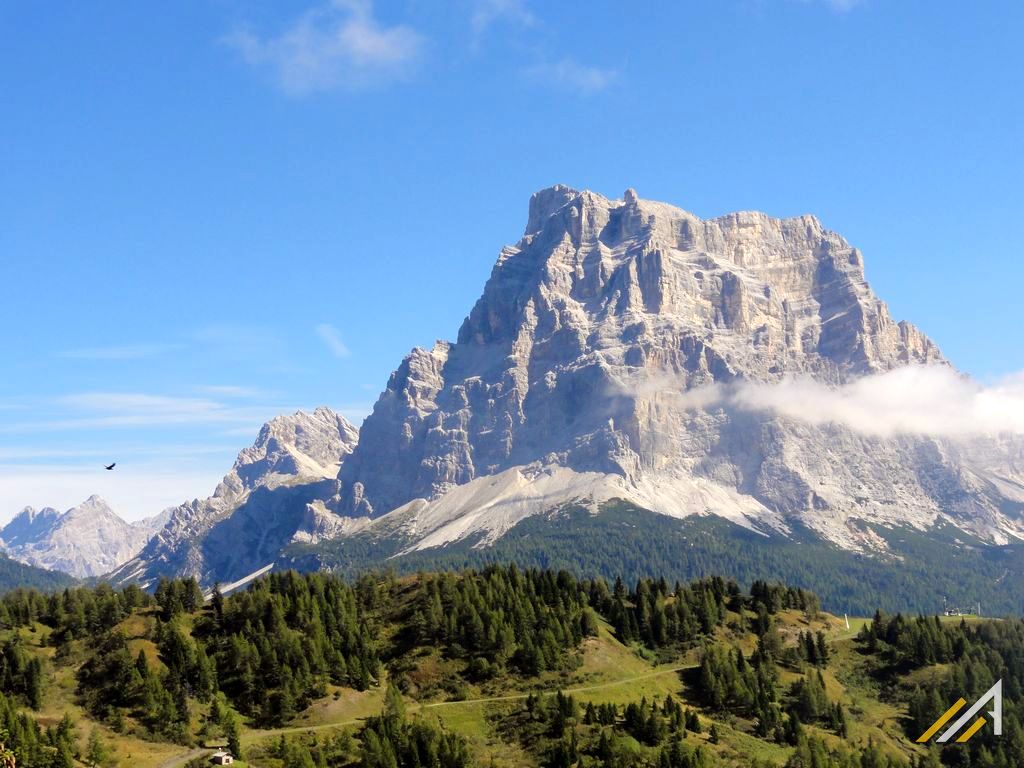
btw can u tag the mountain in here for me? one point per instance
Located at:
(595, 364)
(627, 355)
(87, 540)
(271, 497)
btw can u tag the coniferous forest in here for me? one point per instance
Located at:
(627, 541)
(500, 666)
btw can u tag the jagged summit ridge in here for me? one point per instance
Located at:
(600, 294)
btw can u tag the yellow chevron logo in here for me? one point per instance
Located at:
(994, 694)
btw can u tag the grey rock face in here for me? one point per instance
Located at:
(596, 325)
(256, 509)
(86, 540)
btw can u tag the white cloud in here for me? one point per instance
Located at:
(930, 400)
(229, 390)
(927, 400)
(489, 12)
(568, 73)
(337, 45)
(332, 338)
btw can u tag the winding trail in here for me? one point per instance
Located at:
(251, 736)
(549, 691)
(257, 735)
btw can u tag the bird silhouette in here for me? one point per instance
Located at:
(111, 466)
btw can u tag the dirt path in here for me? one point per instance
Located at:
(258, 735)
(577, 689)
(184, 757)
(251, 736)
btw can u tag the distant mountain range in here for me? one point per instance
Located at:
(87, 540)
(627, 359)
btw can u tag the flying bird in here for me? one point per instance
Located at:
(110, 466)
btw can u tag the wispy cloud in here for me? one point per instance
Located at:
(332, 338)
(22, 455)
(114, 410)
(135, 402)
(229, 390)
(486, 13)
(337, 45)
(570, 74)
(118, 352)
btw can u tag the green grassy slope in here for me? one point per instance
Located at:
(502, 667)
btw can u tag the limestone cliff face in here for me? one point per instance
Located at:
(595, 326)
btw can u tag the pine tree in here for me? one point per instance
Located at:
(230, 724)
(34, 683)
(96, 752)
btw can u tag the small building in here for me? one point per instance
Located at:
(221, 757)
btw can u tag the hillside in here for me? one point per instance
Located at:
(14, 575)
(497, 667)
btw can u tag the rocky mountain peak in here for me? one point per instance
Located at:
(93, 507)
(545, 203)
(299, 443)
(600, 293)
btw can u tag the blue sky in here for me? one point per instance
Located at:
(217, 211)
